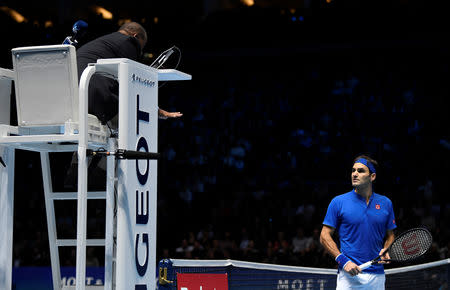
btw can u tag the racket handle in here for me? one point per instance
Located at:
(365, 265)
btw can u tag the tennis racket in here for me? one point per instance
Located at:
(406, 247)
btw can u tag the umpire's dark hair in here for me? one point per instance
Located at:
(135, 28)
(368, 158)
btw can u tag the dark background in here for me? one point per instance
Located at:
(284, 95)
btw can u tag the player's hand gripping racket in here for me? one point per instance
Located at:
(406, 247)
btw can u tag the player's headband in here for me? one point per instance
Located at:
(367, 163)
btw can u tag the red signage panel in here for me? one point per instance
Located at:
(187, 281)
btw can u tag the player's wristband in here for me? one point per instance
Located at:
(342, 260)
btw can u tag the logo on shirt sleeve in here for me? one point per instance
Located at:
(377, 206)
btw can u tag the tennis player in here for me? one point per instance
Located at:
(364, 220)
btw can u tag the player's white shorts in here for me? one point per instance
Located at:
(360, 281)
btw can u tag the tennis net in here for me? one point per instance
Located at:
(434, 275)
(248, 276)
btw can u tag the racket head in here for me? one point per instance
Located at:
(410, 245)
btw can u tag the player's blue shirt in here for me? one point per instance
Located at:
(361, 226)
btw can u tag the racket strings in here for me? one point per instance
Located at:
(410, 245)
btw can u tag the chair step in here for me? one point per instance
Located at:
(73, 242)
(74, 195)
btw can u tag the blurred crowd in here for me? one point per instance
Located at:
(266, 141)
(269, 146)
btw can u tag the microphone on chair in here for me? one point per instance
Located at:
(125, 154)
(161, 59)
(78, 30)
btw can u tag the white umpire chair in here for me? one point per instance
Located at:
(52, 114)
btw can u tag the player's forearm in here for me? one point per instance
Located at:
(390, 237)
(330, 246)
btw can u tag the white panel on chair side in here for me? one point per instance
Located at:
(46, 83)
(6, 77)
(5, 96)
(136, 198)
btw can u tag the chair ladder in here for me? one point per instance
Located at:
(55, 243)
